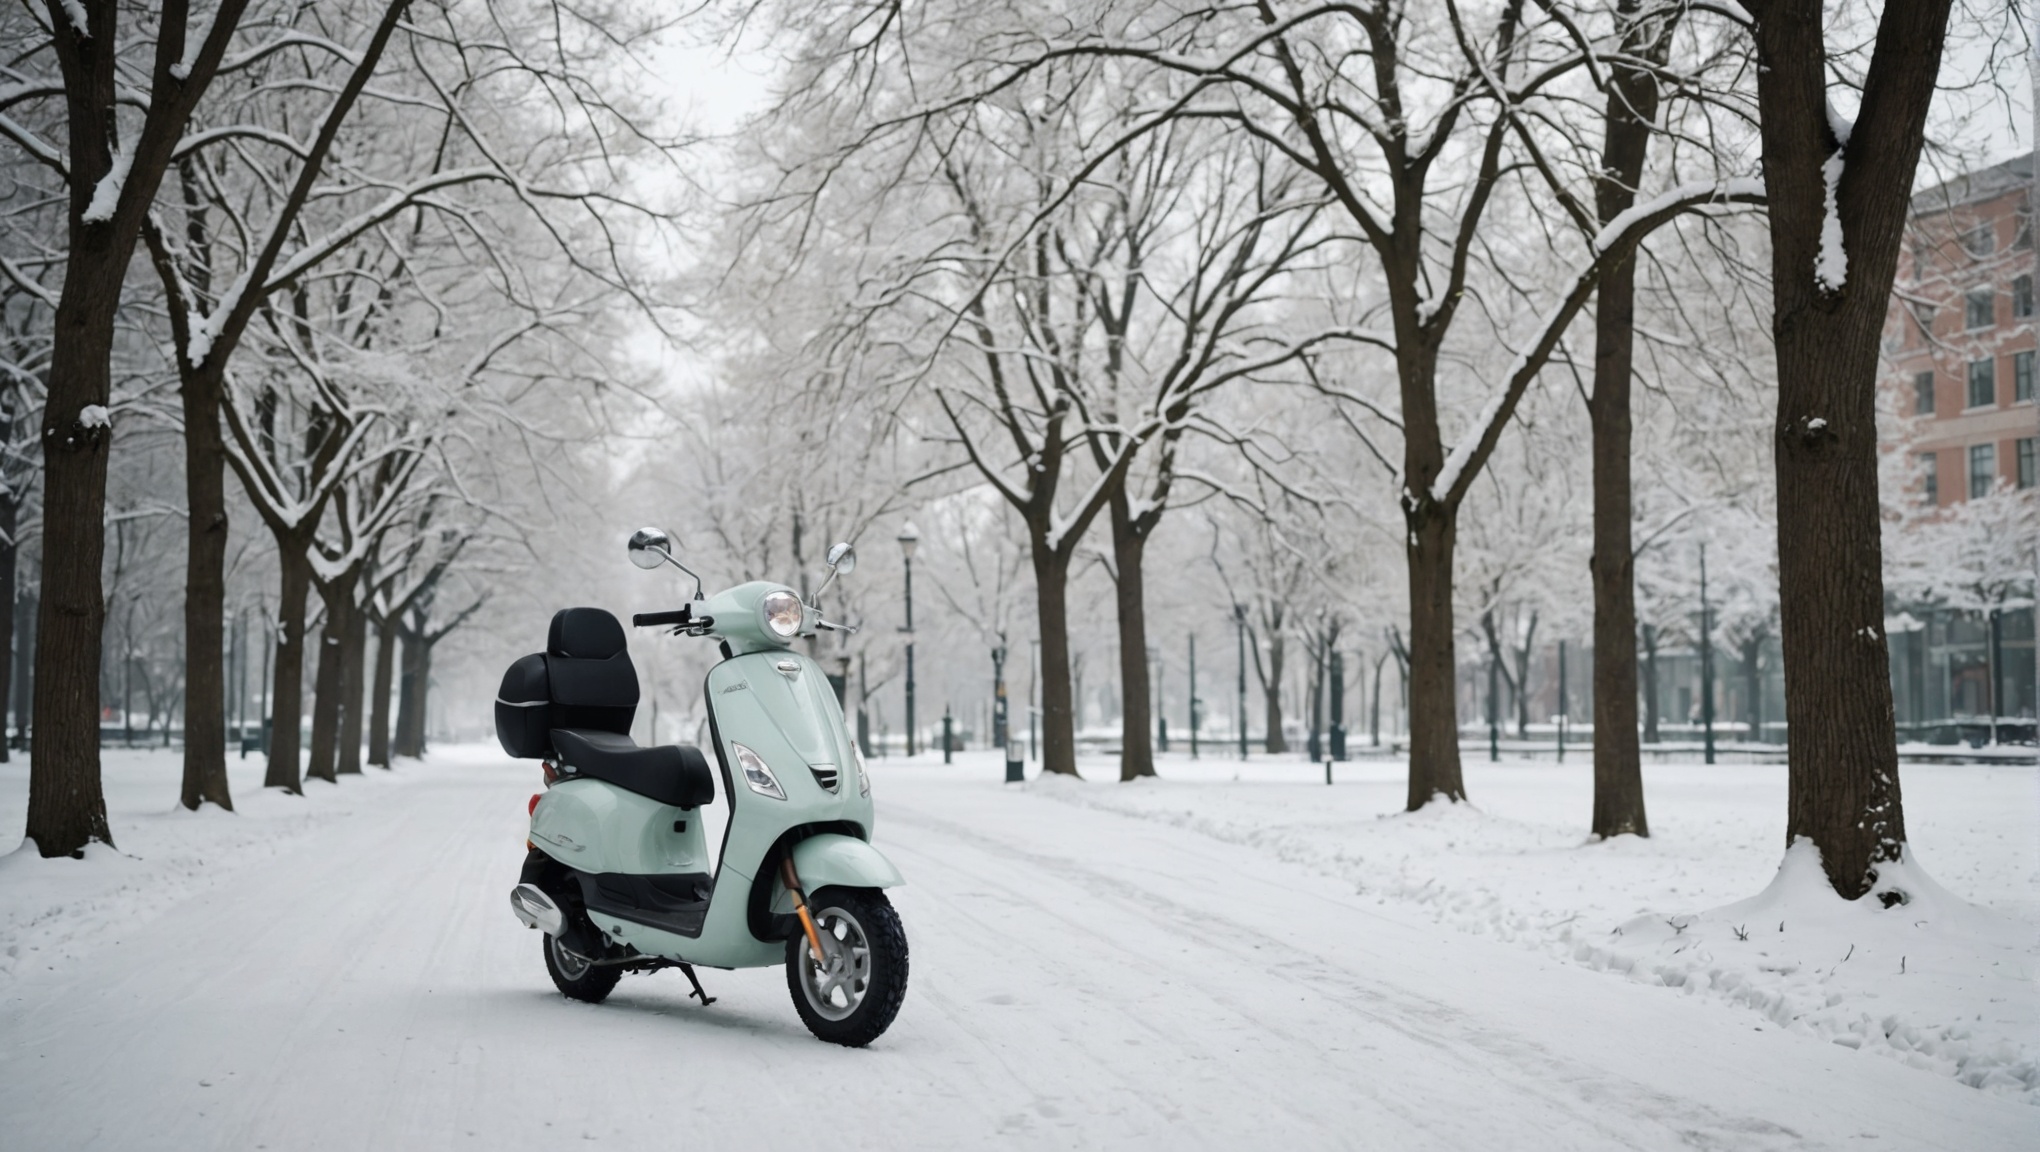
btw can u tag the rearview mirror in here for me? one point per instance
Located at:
(842, 562)
(649, 548)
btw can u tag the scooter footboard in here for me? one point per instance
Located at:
(833, 858)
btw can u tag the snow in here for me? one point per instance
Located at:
(1831, 262)
(95, 416)
(106, 194)
(1464, 449)
(1702, 191)
(205, 329)
(1816, 424)
(80, 22)
(1516, 866)
(1730, 8)
(1190, 961)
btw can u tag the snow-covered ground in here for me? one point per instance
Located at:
(1946, 982)
(1194, 961)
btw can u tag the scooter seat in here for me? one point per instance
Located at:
(676, 774)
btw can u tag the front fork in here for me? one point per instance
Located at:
(800, 909)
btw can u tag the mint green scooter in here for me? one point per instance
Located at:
(618, 875)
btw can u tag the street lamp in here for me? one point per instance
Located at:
(908, 538)
(1239, 615)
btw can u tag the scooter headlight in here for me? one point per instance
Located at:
(756, 774)
(782, 613)
(863, 777)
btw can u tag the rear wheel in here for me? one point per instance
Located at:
(577, 977)
(850, 999)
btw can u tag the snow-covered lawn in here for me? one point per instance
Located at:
(52, 910)
(1946, 982)
(1191, 962)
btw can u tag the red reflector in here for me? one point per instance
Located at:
(531, 807)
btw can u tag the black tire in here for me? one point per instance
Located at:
(579, 979)
(865, 1016)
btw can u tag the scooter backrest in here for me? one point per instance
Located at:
(593, 683)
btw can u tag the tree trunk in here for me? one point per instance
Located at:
(66, 807)
(353, 673)
(1129, 552)
(10, 564)
(379, 705)
(286, 709)
(25, 613)
(1650, 685)
(1374, 712)
(1520, 686)
(1753, 686)
(1827, 319)
(1271, 692)
(1618, 760)
(1630, 110)
(410, 739)
(421, 687)
(330, 684)
(1434, 718)
(1058, 733)
(205, 594)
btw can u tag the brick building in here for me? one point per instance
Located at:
(1960, 340)
(1959, 375)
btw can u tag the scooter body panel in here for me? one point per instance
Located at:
(780, 706)
(594, 826)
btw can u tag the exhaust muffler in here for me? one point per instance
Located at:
(537, 910)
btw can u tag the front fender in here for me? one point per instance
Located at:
(833, 858)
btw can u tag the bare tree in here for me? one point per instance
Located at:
(111, 172)
(1369, 99)
(1839, 195)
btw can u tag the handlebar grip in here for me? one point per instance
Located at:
(654, 619)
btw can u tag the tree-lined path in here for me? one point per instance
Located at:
(1080, 980)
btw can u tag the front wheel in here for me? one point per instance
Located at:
(853, 997)
(577, 977)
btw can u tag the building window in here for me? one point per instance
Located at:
(2022, 376)
(1930, 479)
(1982, 310)
(2022, 296)
(1982, 469)
(2029, 461)
(1923, 394)
(1982, 383)
(1981, 240)
(2023, 238)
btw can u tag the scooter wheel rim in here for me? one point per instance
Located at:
(837, 992)
(571, 966)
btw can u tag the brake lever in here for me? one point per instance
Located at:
(827, 626)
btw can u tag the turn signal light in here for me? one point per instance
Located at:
(533, 806)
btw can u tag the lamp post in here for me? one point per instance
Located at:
(1564, 708)
(908, 538)
(999, 713)
(1239, 615)
(1002, 715)
(1706, 660)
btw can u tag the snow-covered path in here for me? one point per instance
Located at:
(1080, 979)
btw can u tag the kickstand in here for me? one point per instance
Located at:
(706, 999)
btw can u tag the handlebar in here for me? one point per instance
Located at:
(655, 619)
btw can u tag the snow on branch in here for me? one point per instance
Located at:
(106, 194)
(1688, 195)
